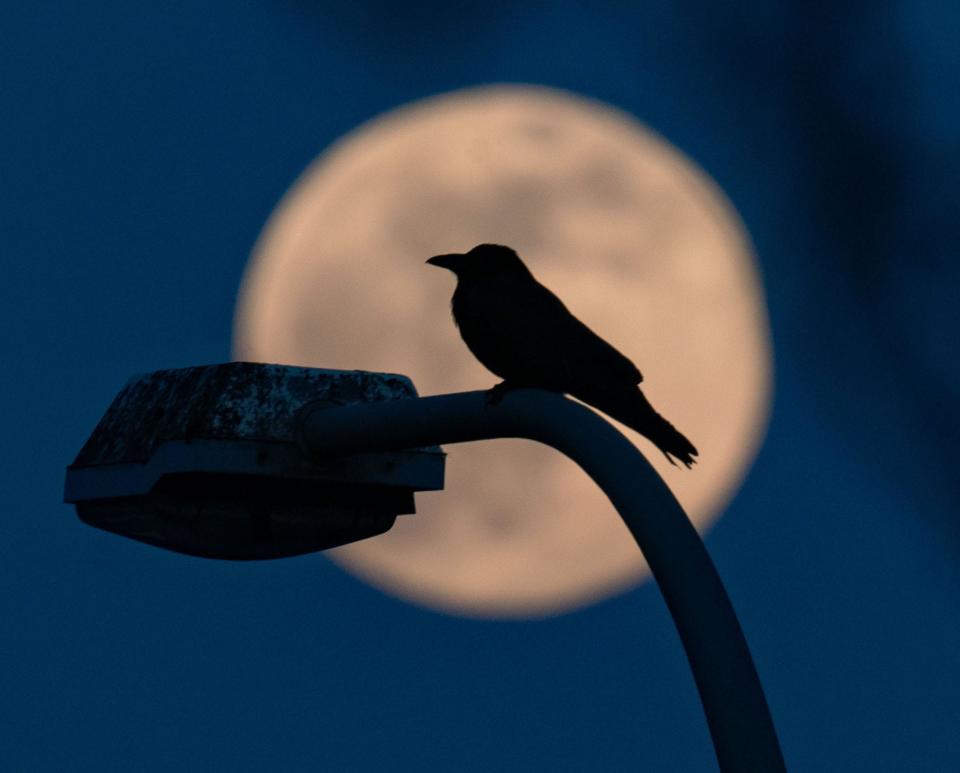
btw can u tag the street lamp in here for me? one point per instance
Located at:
(208, 461)
(338, 461)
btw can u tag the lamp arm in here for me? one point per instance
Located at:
(739, 719)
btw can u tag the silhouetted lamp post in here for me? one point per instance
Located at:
(248, 461)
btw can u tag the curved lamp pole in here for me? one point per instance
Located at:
(737, 714)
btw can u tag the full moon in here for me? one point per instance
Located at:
(637, 241)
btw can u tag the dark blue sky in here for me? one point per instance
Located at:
(143, 148)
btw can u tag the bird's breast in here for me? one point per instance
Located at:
(506, 333)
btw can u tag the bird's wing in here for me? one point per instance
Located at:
(522, 332)
(583, 355)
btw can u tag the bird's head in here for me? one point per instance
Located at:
(484, 260)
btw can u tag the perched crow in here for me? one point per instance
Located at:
(523, 333)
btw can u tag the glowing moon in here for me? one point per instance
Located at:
(637, 241)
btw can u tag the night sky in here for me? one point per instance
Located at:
(143, 149)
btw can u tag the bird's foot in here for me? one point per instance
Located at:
(498, 392)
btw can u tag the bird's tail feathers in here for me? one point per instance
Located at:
(634, 410)
(671, 442)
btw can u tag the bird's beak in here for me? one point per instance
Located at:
(445, 261)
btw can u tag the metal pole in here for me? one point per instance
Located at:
(740, 724)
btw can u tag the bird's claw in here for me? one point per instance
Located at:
(496, 394)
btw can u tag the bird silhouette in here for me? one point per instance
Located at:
(524, 334)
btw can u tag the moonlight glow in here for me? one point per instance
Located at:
(639, 244)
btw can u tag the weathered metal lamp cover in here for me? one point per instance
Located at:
(207, 461)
